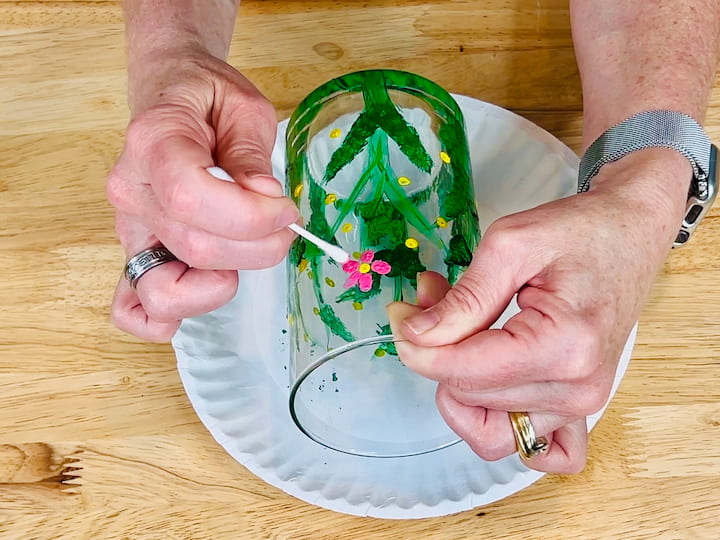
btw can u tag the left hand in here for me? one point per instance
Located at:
(582, 268)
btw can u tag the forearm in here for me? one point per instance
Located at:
(642, 55)
(161, 29)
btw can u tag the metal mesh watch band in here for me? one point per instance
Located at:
(659, 129)
(651, 129)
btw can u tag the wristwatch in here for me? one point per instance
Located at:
(667, 129)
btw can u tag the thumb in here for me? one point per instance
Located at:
(245, 141)
(472, 304)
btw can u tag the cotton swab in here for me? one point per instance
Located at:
(335, 252)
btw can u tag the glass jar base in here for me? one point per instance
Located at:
(361, 400)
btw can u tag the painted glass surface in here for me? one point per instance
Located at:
(378, 164)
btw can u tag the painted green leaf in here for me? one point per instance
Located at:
(382, 221)
(318, 224)
(410, 212)
(356, 139)
(349, 204)
(403, 261)
(386, 115)
(407, 138)
(297, 251)
(459, 253)
(333, 322)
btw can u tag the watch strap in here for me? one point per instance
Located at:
(649, 129)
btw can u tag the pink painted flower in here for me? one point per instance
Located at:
(360, 271)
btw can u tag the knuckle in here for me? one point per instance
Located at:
(139, 133)
(119, 317)
(255, 104)
(459, 385)
(158, 305)
(196, 251)
(588, 400)
(180, 202)
(251, 220)
(490, 450)
(465, 296)
(575, 465)
(501, 237)
(116, 189)
(583, 351)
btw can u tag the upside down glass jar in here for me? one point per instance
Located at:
(378, 164)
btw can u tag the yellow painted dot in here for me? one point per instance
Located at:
(335, 133)
(404, 181)
(411, 243)
(357, 306)
(330, 282)
(445, 157)
(364, 268)
(291, 319)
(316, 310)
(441, 222)
(356, 254)
(310, 274)
(331, 198)
(302, 265)
(298, 190)
(346, 228)
(379, 353)
(306, 337)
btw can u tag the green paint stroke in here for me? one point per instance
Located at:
(380, 114)
(384, 219)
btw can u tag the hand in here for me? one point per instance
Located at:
(192, 113)
(582, 268)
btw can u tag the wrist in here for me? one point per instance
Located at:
(653, 185)
(151, 79)
(163, 37)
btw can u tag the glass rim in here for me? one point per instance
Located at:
(331, 355)
(352, 82)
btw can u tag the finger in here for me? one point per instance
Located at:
(128, 314)
(169, 148)
(201, 249)
(581, 398)
(139, 199)
(207, 251)
(245, 139)
(431, 288)
(488, 431)
(567, 450)
(546, 398)
(519, 353)
(191, 195)
(167, 293)
(477, 299)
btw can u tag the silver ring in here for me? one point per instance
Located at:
(528, 445)
(146, 260)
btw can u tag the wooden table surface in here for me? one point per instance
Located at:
(97, 437)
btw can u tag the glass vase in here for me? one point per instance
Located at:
(378, 164)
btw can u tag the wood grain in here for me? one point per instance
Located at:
(97, 437)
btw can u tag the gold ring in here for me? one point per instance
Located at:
(528, 445)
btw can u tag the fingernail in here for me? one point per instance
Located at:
(422, 322)
(286, 217)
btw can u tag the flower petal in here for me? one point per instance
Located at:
(350, 266)
(353, 279)
(381, 267)
(367, 255)
(365, 282)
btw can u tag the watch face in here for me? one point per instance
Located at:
(701, 197)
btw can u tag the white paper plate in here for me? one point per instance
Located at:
(233, 362)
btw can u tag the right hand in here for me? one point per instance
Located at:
(194, 112)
